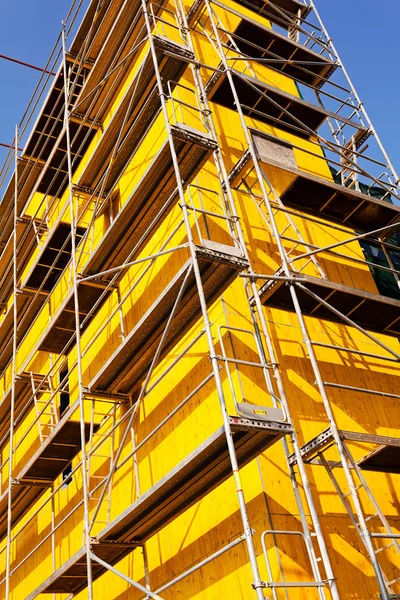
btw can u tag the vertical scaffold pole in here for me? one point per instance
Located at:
(14, 371)
(257, 583)
(86, 527)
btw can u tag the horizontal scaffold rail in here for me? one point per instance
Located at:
(127, 367)
(61, 328)
(132, 119)
(196, 476)
(151, 200)
(270, 104)
(23, 397)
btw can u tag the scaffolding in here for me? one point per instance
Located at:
(58, 273)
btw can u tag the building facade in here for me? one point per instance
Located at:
(199, 343)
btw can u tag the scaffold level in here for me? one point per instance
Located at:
(129, 364)
(370, 311)
(199, 314)
(201, 472)
(43, 468)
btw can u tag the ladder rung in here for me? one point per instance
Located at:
(384, 547)
(386, 536)
(293, 584)
(371, 517)
(358, 487)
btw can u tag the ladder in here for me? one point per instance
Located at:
(319, 584)
(233, 362)
(101, 449)
(362, 522)
(47, 417)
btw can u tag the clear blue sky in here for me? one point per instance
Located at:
(365, 32)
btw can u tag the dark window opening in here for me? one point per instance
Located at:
(66, 475)
(63, 406)
(64, 391)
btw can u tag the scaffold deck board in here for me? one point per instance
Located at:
(125, 36)
(132, 119)
(316, 196)
(291, 57)
(128, 365)
(200, 472)
(281, 12)
(338, 203)
(270, 104)
(385, 458)
(371, 311)
(62, 327)
(95, 27)
(150, 201)
(48, 128)
(57, 450)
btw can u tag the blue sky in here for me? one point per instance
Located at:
(366, 38)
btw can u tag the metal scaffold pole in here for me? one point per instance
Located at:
(13, 373)
(86, 510)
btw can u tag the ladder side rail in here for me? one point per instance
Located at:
(86, 526)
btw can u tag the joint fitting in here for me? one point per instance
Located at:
(259, 585)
